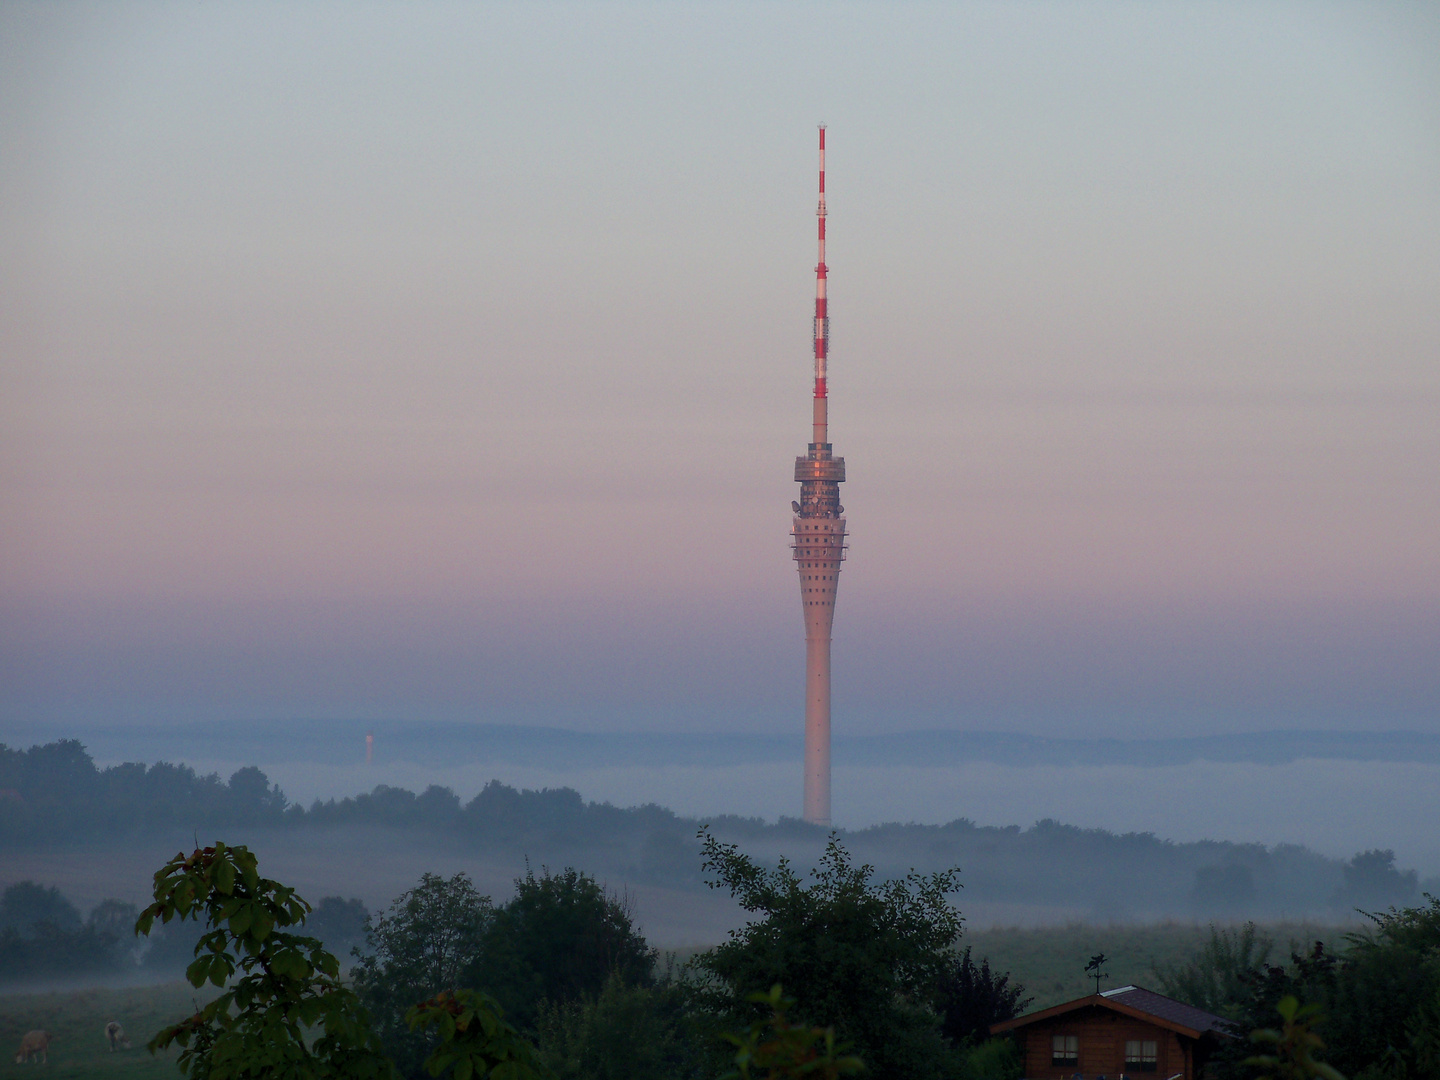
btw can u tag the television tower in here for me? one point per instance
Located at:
(818, 542)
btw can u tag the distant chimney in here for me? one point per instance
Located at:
(369, 747)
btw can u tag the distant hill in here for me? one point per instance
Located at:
(339, 742)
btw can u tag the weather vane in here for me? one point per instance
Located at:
(1093, 968)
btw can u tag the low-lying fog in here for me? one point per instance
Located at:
(1320, 792)
(375, 865)
(1334, 807)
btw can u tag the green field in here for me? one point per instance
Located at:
(1050, 962)
(77, 1019)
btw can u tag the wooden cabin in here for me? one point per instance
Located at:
(1128, 1033)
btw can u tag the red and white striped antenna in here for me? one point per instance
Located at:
(822, 317)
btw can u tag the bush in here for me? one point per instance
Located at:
(1220, 978)
(1377, 1004)
(623, 1033)
(994, 1059)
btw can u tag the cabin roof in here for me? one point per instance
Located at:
(1137, 1003)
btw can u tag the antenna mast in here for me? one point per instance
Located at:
(822, 315)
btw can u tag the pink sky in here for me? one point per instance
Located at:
(440, 361)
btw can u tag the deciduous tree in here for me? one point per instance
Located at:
(868, 959)
(557, 940)
(287, 1016)
(972, 998)
(417, 949)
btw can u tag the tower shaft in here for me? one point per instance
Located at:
(818, 536)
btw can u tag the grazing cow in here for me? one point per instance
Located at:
(116, 1034)
(34, 1044)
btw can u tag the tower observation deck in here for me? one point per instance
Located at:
(818, 545)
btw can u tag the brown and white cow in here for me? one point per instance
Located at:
(34, 1044)
(116, 1034)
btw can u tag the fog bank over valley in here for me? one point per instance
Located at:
(1334, 792)
(1333, 807)
(1038, 844)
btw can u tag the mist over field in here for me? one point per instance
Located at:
(1333, 792)
(1333, 807)
(1263, 826)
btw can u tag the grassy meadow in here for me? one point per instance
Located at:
(1051, 961)
(77, 1019)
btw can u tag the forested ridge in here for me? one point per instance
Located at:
(53, 795)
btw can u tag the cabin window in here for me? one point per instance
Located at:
(1140, 1055)
(1065, 1050)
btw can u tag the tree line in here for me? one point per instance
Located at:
(558, 983)
(44, 938)
(54, 794)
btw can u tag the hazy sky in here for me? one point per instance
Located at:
(428, 361)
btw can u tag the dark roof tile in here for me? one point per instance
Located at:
(1132, 1000)
(1177, 1012)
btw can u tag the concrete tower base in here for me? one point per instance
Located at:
(819, 546)
(817, 730)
